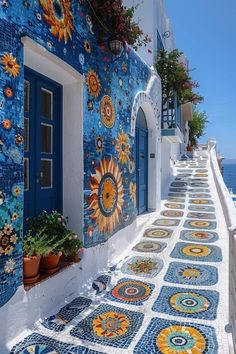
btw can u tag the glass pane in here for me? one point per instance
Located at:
(26, 134)
(26, 174)
(46, 138)
(47, 103)
(26, 95)
(46, 173)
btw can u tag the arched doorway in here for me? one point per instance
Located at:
(141, 148)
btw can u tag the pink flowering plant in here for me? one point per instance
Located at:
(176, 79)
(114, 20)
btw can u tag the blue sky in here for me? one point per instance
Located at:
(206, 31)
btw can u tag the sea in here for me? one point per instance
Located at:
(229, 174)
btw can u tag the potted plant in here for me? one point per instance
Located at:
(73, 248)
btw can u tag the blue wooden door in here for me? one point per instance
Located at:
(141, 169)
(43, 144)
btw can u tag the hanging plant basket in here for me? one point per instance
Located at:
(116, 46)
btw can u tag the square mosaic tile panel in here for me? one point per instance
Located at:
(176, 200)
(66, 314)
(196, 252)
(199, 236)
(191, 274)
(163, 336)
(183, 302)
(201, 208)
(130, 291)
(172, 213)
(200, 224)
(38, 344)
(199, 190)
(150, 247)
(177, 195)
(198, 215)
(201, 201)
(147, 267)
(166, 222)
(178, 190)
(109, 325)
(179, 184)
(174, 205)
(158, 233)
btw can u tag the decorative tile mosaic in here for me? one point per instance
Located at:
(201, 175)
(201, 208)
(200, 224)
(179, 184)
(191, 274)
(38, 344)
(177, 195)
(150, 246)
(158, 233)
(178, 190)
(166, 222)
(130, 291)
(187, 302)
(202, 170)
(174, 206)
(201, 201)
(199, 236)
(199, 190)
(199, 184)
(176, 200)
(172, 213)
(195, 215)
(109, 325)
(184, 175)
(200, 196)
(67, 313)
(163, 336)
(147, 267)
(185, 171)
(197, 252)
(101, 283)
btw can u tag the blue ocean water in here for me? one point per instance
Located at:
(229, 175)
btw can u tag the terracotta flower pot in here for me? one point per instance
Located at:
(31, 269)
(75, 258)
(49, 263)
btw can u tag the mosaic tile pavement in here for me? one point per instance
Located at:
(163, 297)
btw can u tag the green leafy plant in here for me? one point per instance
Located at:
(72, 245)
(176, 79)
(197, 126)
(113, 19)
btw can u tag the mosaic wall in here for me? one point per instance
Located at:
(65, 29)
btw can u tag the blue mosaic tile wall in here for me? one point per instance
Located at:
(109, 91)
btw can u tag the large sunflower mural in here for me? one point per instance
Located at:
(58, 16)
(106, 197)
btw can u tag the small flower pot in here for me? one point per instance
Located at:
(49, 264)
(77, 257)
(31, 269)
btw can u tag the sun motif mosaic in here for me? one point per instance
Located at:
(38, 344)
(178, 190)
(197, 252)
(130, 291)
(166, 222)
(93, 83)
(158, 233)
(179, 184)
(198, 215)
(58, 16)
(163, 336)
(150, 246)
(176, 200)
(187, 303)
(147, 267)
(177, 195)
(174, 206)
(123, 148)
(191, 274)
(201, 171)
(200, 224)
(8, 239)
(199, 184)
(199, 190)
(172, 213)
(184, 175)
(10, 65)
(199, 236)
(66, 314)
(106, 197)
(200, 207)
(109, 325)
(108, 116)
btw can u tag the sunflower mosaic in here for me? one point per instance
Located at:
(93, 84)
(200, 224)
(174, 206)
(191, 274)
(108, 112)
(199, 236)
(172, 213)
(57, 14)
(10, 65)
(196, 252)
(123, 147)
(176, 200)
(158, 233)
(185, 302)
(8, 239)
(142, 266)
(107, 195)
(163, 336)
(198, 215)
(130, 291)
(149, 246)
(109, 325)
(166, 222)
